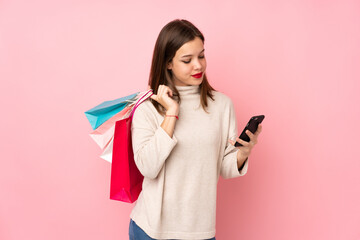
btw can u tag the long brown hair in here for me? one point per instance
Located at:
(172, 36)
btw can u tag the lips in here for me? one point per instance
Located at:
(198, 75)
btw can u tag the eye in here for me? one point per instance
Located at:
(190, 60)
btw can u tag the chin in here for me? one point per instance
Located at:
(192, 82)
(198, 82)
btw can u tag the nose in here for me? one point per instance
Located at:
(197, 64)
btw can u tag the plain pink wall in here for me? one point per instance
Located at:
(297, 62)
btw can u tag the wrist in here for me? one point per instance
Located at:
(241, 165)
(241, 158)
(172, 111)
(175, 116)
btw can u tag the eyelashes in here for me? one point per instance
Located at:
(190, 60)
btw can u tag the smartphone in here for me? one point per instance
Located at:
(252, 126)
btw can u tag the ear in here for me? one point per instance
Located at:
(169, 65)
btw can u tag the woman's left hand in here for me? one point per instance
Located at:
(245, 149)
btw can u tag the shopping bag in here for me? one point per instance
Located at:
(102, 112)
(107, 152)
(126, 179)
(105, 131)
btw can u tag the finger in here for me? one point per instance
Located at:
(163, 91)
(244, 143)
(159, 92)
(250, 134)
(154, 97)
(259, 129)
(168, 91)
(253, 138)
(231, 142)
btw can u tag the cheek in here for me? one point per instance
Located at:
(185, 70)
(204, 63)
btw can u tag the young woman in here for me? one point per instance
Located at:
(183, 139)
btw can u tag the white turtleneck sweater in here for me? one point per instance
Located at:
(178, 197)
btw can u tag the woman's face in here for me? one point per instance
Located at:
(189, 59)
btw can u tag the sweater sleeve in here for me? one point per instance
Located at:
(229, 168)
(151, 144)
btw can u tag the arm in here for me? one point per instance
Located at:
(169, 122)
(230, 166)
(241, 166)
(152, 144)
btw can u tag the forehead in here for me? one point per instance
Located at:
(192, 47)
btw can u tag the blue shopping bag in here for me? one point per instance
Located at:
(102, 112)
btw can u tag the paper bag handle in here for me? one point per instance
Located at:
(140, 101)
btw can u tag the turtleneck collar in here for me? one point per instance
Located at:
(188, 90)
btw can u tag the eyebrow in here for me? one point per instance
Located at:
(189, 55)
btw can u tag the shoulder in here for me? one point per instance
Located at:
(145, 112)
(222, 99)
(144, 108)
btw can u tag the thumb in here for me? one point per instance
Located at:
(154, 97)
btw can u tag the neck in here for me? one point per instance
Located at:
(188, 90)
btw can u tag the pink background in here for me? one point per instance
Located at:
(297, 62)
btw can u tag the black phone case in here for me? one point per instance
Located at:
(252, 126)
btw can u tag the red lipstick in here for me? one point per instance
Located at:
(198, 75)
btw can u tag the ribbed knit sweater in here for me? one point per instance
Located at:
(178, 198)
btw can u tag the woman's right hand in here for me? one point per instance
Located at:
(163, 97)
